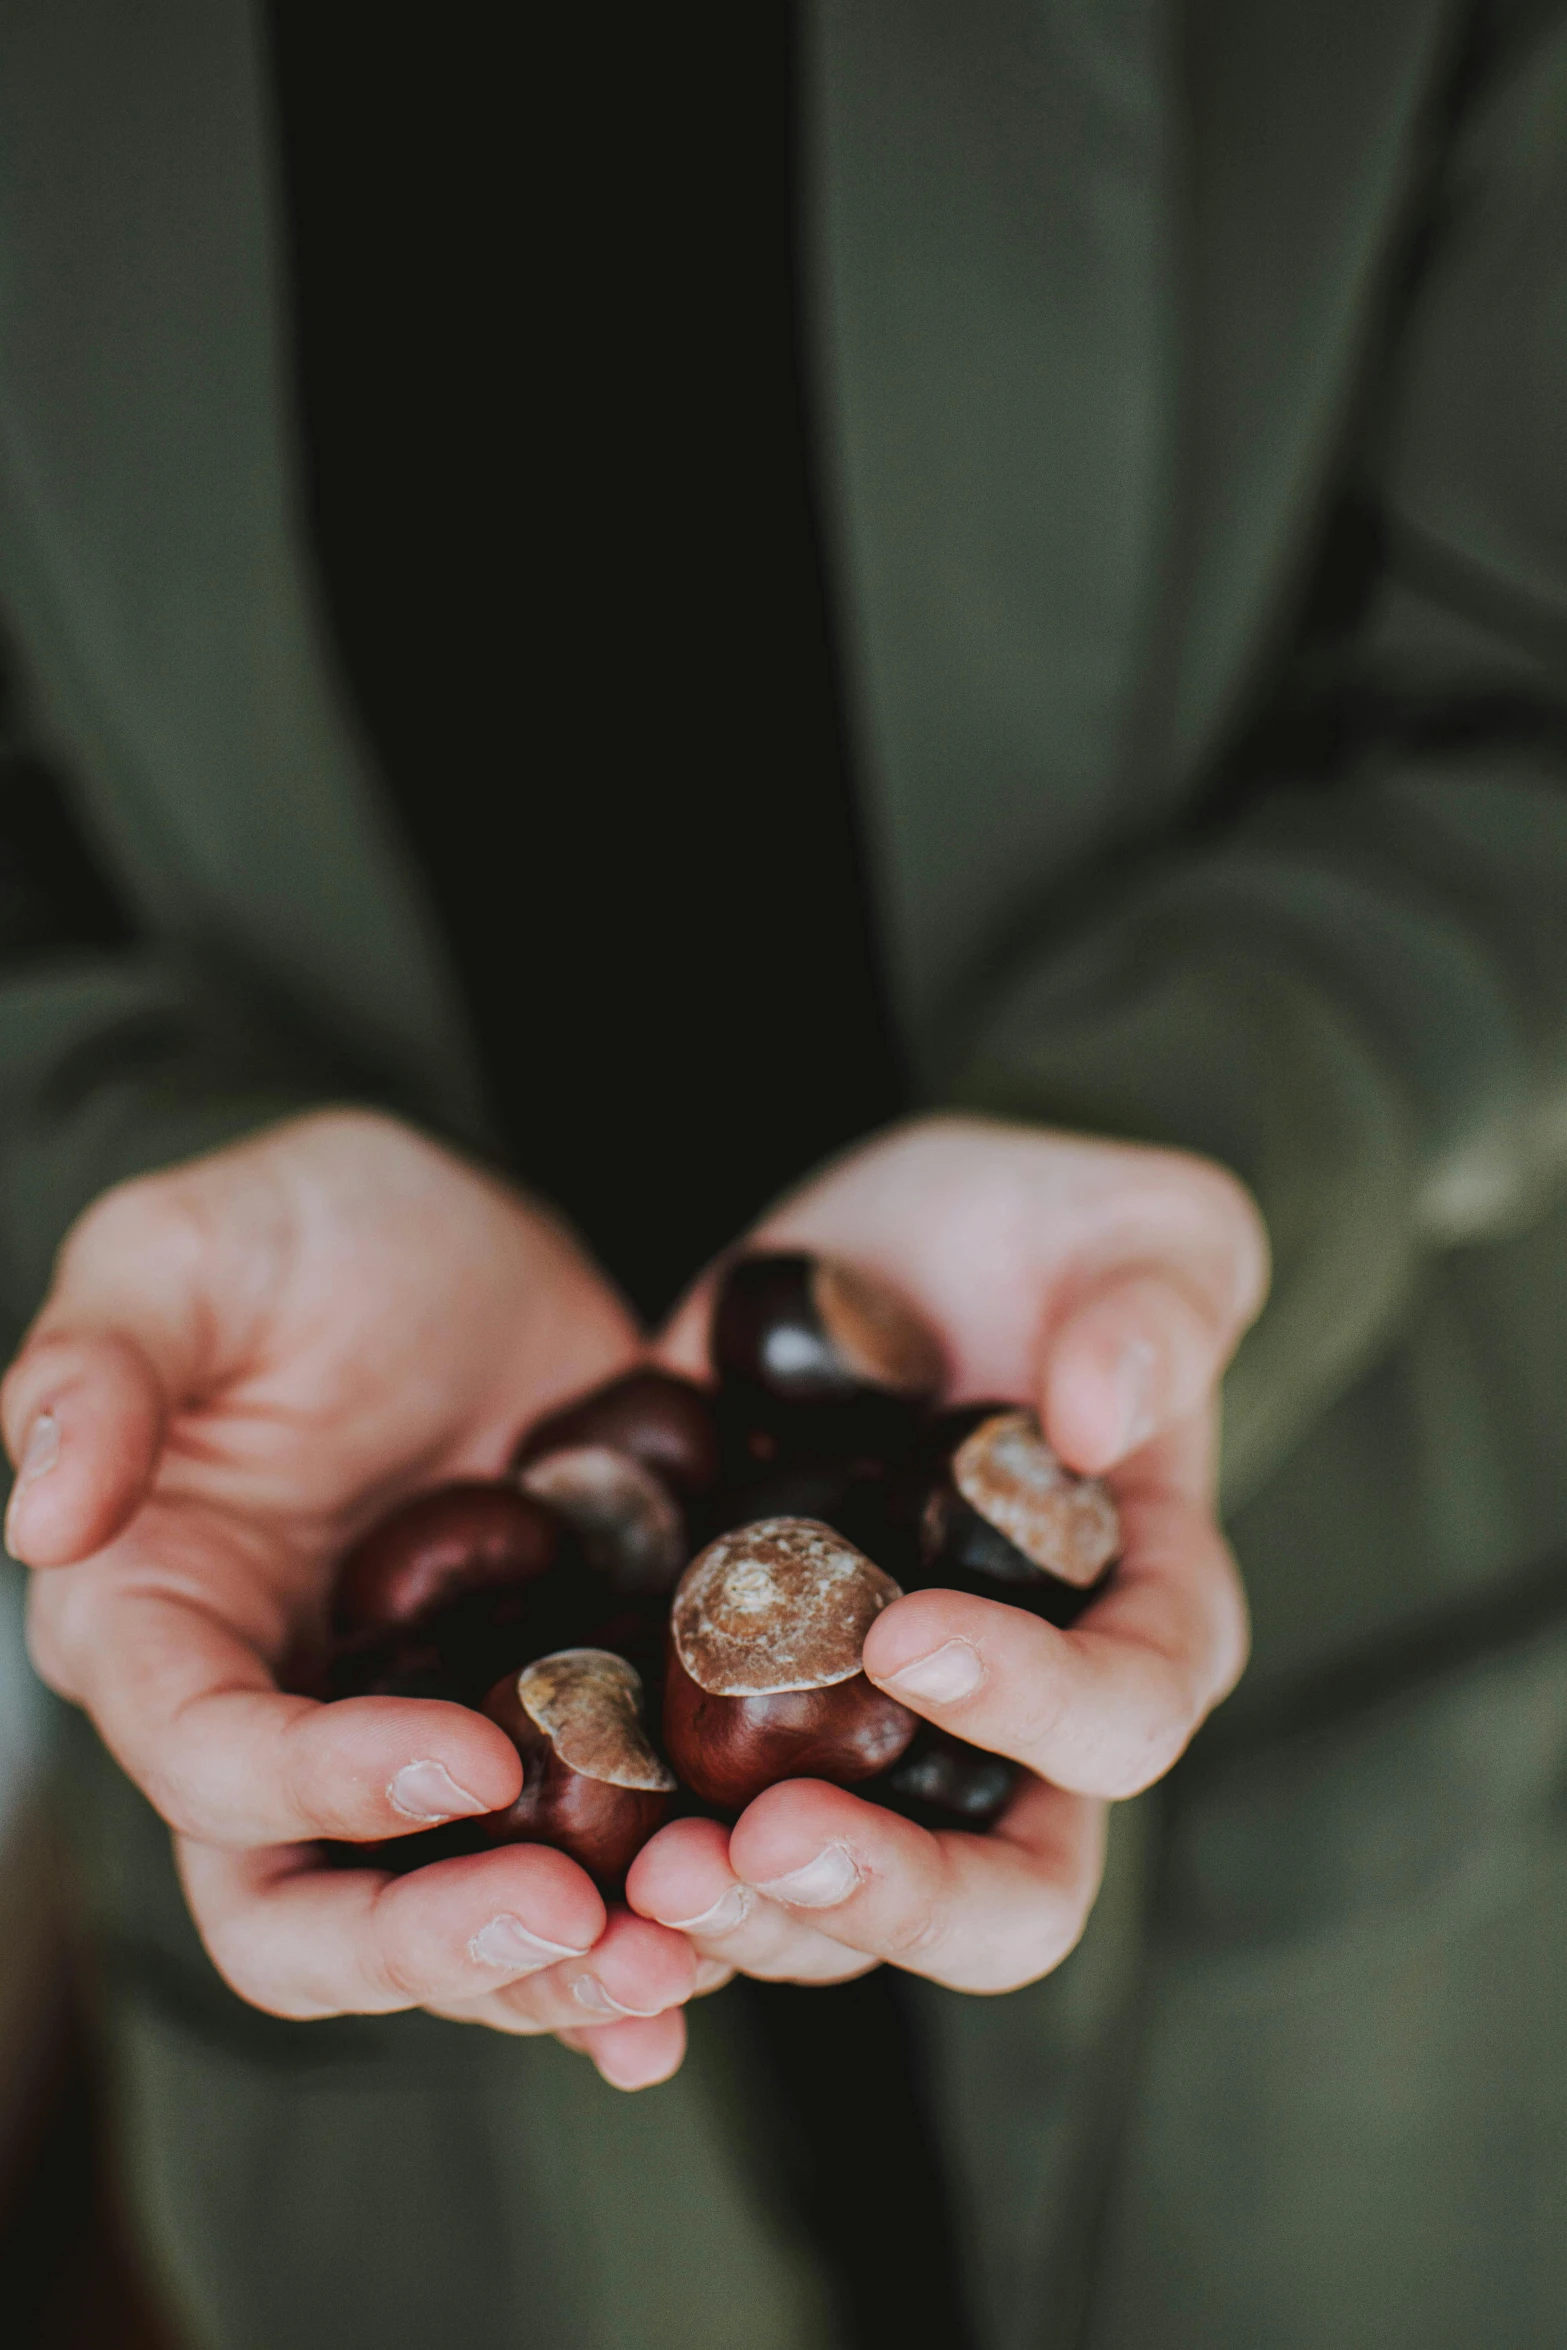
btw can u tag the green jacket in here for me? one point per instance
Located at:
(1138, 328)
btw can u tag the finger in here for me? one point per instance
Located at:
(83, 1415)
(682, 1344)
(1001, 1234)
(634, 2055)
(299, 1938)
(120, 1340)
(188, 1708)
(683, 1878)
(1105, 1708)
(1136, 1356)
(636, 1970)
(521, 1928)
(976, 1913)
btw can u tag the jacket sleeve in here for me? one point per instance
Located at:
(1353, 988)
(112, 1064)
(120, 1052)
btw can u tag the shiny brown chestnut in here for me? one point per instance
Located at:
(1007, 1517)
(438, 1548)
(941, 1782)
(593, 1786)
(764, 1680)
(628, 1522)
(664, 1422)
(811, 1330)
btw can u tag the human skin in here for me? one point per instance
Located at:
(241, 1364)
(1107, 1285)
(244, 1361)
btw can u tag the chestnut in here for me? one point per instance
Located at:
(593, 1785)
(941, 1782)
(1007, 1518)
(811, 1331)
(439, 1547)
(661, 1421)
(627, 1520)
(858, 1498)
(764, 1680)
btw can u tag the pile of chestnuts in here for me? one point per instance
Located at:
(664, 1603)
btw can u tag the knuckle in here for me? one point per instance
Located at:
(248, 1974)
(915, 1935)
(531, 2005)
(1040, 1725)
(393, 1977)
(180, 1804)
(1132, 1772)
(1050, 1940)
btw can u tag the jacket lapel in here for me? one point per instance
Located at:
(993, 189)
(150, 543)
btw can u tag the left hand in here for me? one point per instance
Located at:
(1108, 1285)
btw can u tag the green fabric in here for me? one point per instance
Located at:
(407, 2183)
(174, 660)
(1116, 304)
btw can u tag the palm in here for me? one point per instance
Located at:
(392, 1318)
(346, 1314)
(241, 1363)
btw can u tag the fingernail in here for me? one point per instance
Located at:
(823, 1882)
(590, 1993)
(731, 1909)
(427, 1791)
(1134, 1386)
(506, 1942)
(39, 1455)
(948, 1673)
(41, 1450)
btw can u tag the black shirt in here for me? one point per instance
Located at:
(559, 467)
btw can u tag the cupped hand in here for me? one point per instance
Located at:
(1107, 1285)
(240, 1365)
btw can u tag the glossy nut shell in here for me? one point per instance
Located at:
(728, 1749)
(813, 1330)
(664, 1422)
(783, 1603)
(593, 1786)
(457, 1539)
(1063, 1524)
(764, 1680)
(627, 1520)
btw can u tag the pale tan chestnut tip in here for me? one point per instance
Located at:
(588, 1703)
(1065, 1524)
(784, 1603)
(880, 1338)
(629, 1525)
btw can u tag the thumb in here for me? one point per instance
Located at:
(1137, 1356)
(83, 1413)
(84, 1406)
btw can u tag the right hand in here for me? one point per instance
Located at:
(240, 1365)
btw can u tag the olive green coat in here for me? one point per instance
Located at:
(1121, 307)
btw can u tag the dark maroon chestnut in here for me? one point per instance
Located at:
(593, 1786)
(627, 1520)
(661, 1421)
(1006, 1517)
(438, 1548)
(764, 1680)
(810, 1330)
(943, 1783)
